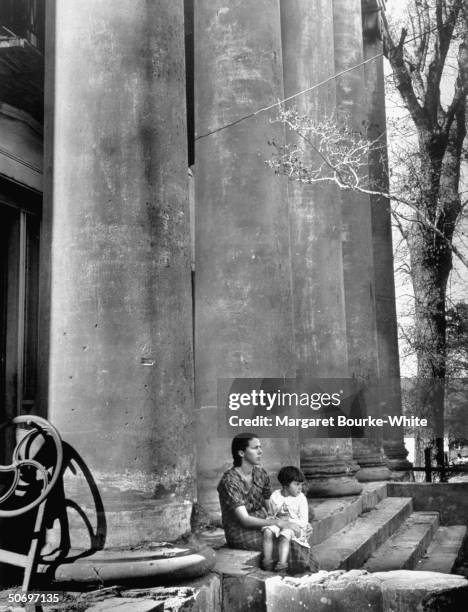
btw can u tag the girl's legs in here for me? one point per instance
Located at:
(267, 562)
(283, 549)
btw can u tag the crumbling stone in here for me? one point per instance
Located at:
(410, 591)
(336, 591)
(395, 591)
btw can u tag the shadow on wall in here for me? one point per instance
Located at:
(59, 548)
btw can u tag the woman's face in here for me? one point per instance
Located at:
(253, 453)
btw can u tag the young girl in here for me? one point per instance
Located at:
(288, 503)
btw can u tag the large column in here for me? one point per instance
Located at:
(386, 321)
(319, 312)
(243, 311)
(358, 265)
(117, 273)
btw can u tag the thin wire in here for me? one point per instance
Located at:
(300, 93)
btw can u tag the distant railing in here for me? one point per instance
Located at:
(24, 19)
(439, 473)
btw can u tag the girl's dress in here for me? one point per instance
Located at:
(289, 508)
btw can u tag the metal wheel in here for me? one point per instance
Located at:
(21, 459)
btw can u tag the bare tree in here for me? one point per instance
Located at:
(418, 69)
(428, 203)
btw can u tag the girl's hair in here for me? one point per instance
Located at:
(289, 473)
(240, 443)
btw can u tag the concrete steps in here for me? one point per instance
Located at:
(329, 515)
(372, 532)
(406, 546)
(393, 558)
(443, 550)
(350, 547)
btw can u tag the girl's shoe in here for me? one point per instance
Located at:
(281, 567)
(267, 566)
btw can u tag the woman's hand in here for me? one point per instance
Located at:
(254, 522)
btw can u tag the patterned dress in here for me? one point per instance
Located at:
(233, 492)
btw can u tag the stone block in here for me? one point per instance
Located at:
(409, 591)
(324, 592)
(202, 595)
(394, 591)
(243, 583)
(245, 593)
(208, 595)
(127, 604)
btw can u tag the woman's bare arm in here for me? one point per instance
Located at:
(253, 522)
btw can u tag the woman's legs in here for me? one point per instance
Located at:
(267, 562)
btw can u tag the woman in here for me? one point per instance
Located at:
(243, 492)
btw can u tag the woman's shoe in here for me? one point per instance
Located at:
(267, 566)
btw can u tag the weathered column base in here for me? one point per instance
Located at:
(329, 468)
(113, 511)
(400, 467)
(371, 460)
(104, 535)
(143, 522)
(160, 563)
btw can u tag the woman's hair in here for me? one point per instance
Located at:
(289, 473)
(240, 443)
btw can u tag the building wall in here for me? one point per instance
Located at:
(117, 312)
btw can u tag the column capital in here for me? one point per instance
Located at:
(372, 19)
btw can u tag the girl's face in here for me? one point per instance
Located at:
(294, 488)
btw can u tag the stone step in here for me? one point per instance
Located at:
(406, 546)
(443, 550)
(235, 562)
(350, 547)
(359, 591)
(329, 515)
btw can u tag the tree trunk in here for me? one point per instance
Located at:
(431, 264)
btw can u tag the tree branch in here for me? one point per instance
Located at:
(402, 77)
(443, 36)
